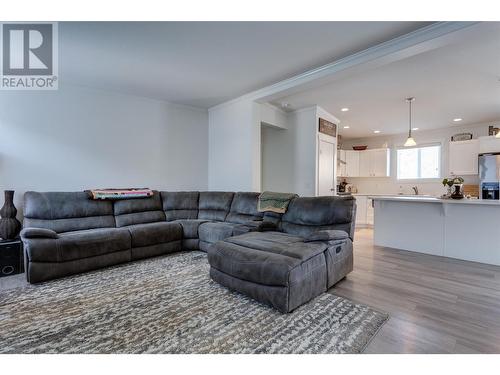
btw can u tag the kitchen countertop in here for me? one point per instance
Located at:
(429, 199)
(388, 195)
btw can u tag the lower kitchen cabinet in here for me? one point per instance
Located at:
(364, 211)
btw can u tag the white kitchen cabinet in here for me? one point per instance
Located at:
(374, 163)
(365, 164)
(364, 211)
(352, 164)
(360, 210)
(341, 163)
(370, 212)
(489, 144)
(380, 162)
(463, 157)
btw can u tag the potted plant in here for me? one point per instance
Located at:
(457, 183)
(448, 183)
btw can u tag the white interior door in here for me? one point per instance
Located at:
(326, 167)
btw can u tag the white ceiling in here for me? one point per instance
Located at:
(460, 80)
(205, 63)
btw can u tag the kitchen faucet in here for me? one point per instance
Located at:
(415, 189)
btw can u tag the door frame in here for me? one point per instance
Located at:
(332, 140)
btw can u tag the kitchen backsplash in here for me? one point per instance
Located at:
(386, 185)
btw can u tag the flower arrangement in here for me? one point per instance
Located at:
(453, 181)
(450, 182)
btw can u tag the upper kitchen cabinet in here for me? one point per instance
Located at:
(352, 164)
(463, 158)
(368, 163)
(379, 162)
(490, 144)
(341, 163)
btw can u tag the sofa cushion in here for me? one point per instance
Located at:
(154, 233)
(268, 258)
(38, 233)
(309, 214)
(214, 205)
(66, 211)
(138, 210)
(215, 231)
(190, 227)
(244, 208)
(78, 245)
(180, 204)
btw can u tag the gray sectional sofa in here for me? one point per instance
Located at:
(282, 260)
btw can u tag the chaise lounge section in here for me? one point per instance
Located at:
(281, 260)
(309, 251)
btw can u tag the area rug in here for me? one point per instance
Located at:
(170, 305)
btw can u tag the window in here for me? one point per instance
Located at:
(419, 162)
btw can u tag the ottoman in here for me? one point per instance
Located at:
(275, 268)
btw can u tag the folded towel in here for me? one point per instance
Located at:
(99, 194)
(274, 202)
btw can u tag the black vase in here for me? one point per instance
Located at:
(457, 194)
(9, 225)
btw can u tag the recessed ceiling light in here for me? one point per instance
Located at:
(414, 129)
(457, 119)
(345, 109)
(346, 127)
(376, 131)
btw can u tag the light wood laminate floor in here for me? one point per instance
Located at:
(436, 305)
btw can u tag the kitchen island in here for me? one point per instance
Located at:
(462, 229)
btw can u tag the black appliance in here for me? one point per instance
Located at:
(490, 190)
(11, 257)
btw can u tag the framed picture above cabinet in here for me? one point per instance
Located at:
(327, 127)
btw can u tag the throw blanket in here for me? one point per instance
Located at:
(119, 193)
(274, 202)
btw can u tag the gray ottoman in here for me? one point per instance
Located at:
(275, 268)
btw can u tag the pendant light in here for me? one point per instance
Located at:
(410, 141)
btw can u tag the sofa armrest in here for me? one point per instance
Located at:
(327, 236)
(38, 233)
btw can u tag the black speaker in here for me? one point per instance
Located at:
(11, 257)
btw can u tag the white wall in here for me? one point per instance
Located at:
(77, 138)
(234, 147)
(304, 127)
(277, 159)
(270, 115)
(289, 156)
(390, 185)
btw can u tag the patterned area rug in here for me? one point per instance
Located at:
(170, 305)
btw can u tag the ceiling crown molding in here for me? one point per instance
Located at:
(418, 41)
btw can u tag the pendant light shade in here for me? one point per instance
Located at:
(410, 141)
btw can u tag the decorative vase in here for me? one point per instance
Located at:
(9, 225)
(457, 194)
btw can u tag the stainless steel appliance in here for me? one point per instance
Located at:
(489, 175)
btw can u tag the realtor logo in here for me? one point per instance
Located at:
(29, 56)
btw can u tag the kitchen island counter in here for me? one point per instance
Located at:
(429, 199)
(467, 229)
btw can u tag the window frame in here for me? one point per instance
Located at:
(421, 179)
